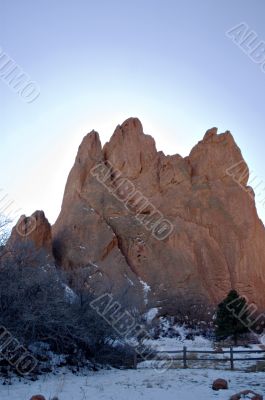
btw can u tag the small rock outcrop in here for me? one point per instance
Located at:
(35, 229)
(31, 235)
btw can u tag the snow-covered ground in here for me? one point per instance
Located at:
(191, 384)
(199, 344)
(146, 382)
(177, 343)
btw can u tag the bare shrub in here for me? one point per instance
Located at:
(38, 306)
(4, 229)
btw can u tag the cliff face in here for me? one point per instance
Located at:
(215, 239)
(217, 242)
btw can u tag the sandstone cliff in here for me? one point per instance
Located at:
(217, 241)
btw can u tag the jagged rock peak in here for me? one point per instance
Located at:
(90, 147)
(34, 230)
(129, 149)
(210, 134)
(215, 155)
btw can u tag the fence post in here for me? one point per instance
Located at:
(135, 360)
(185, 357)
(231, 358)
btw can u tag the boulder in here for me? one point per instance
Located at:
(37, 397)
(220, 384)
(247, 394)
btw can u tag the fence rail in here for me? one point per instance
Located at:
(186, 358)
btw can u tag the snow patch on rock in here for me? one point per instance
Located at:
(146, 289)
(151, 314)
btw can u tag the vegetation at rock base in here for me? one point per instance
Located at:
(232, 317)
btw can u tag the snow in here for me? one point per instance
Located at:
(167, 344)
(89, 209)
(262, 338)
(146, 289)
(69, 294)
(174, 337)
(149, 381)
(129, 280)
(199, 343)
(180, 384)
(151, 314)
(94, 265)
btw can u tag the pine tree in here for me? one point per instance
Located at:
(232, 317)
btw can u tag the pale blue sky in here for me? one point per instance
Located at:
(99, 62)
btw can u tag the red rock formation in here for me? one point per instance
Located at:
(218, 241)
(32, 234)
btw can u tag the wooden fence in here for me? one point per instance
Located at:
(192, 355)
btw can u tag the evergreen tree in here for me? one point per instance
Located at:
(232, 317)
